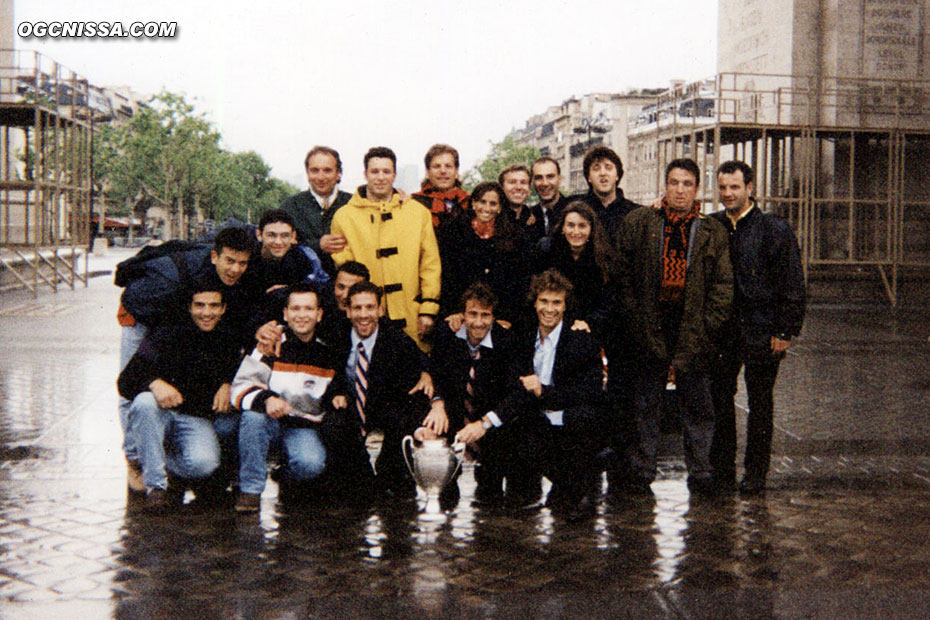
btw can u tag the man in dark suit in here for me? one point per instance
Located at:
(558, 404)
(472, 371)
(383, 368)
(313, 209)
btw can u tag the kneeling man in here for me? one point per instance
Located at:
(558, 405)
(283, 399)
(178, 382)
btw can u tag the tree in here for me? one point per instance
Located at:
(504, 153)
(168, 155)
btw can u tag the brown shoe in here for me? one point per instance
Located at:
(134, 477)
(156, 501)
(248, 502)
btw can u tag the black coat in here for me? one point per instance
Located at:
(450, 362)
(196, 363)
(499, 262)
(610, 216)
(768, 282)
(577, 376)
(394, 367)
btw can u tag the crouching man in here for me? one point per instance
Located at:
(178, 382)
(283, 399)
(557, 407)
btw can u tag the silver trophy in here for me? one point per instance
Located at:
(432, 465)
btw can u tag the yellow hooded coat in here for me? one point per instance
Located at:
(396, 242)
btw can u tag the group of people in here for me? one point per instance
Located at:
(543, 336)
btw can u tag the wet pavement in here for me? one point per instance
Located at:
(843, 532)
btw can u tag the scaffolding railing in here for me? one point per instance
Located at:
(46, 129)
(844, 159)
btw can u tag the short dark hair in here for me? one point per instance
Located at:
(733, 166)
(542, 160)
(687, 165)
(551, 280)
(599, 153)
(302, 287)
(480, 292)
(380, 151)
(513, 168)
(355, 268)
(483, 188)
(273, 216)
(364, 287)
(205, 285)
(326, 151)
(235, 238)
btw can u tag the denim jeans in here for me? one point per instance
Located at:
(193, 450)
(302, 449)
(130, 340)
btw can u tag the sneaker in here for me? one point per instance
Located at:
(156, 501)
(248, 503)
(134, 477)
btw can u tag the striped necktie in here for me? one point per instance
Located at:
(361, 381)
(470, 384)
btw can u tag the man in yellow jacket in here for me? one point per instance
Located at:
(395, 240)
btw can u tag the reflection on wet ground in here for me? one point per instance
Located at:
(842, 532)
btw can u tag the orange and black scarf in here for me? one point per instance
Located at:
(677, 226)
(457, 196)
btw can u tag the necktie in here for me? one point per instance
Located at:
(361, 382)
(470, 384)
(325, 203)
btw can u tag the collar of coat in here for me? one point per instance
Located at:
(360, 200)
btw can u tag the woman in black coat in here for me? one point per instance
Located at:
(479, 245)
(579, 249)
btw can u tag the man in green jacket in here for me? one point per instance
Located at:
(676, 289)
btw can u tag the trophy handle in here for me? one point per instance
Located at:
(407, 446)
(458, 449)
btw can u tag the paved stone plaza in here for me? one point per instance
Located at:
(844, 531)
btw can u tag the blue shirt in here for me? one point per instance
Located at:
(485, 342)
(353, 353)
(544, 361)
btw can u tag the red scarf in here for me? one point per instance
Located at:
(484, 230)
(675, 251)
(440, 211)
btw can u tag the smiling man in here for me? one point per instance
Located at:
(383, 365)
(472, 371)
(396, 242)
(547, 181)
(515, 181)
(178, 383)
(557, 403)
(312, 210)
(768, 310)
(676, 288)
(283, 399)
(441, 190)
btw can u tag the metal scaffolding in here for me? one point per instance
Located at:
(844, 160)
(46, 129)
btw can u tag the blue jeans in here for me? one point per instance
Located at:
(302, 448)
(193, 449)
(130, 340)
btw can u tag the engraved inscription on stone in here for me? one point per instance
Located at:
(891, 38)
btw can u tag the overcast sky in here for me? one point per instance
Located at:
(279, 77)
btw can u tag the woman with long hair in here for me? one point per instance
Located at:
(580, 250)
